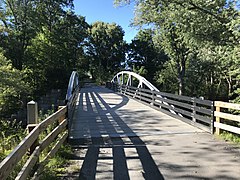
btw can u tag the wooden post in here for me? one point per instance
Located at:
(218, 109)
(62, 117)
(193, 110)
(212, 118)
(32, 112)
(140, 93)
(152, 103)
(32, 121)
(121, 91)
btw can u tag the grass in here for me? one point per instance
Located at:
(57, 165)
(11, 134)
(227, 136)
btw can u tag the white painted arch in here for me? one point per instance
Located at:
(119, 79)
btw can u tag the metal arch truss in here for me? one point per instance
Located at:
(119, 78)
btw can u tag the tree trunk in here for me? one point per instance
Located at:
(181, 73)
(180, 85)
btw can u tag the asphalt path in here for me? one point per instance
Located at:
(119, 138)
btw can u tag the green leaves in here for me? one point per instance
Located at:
(195, 31)
(143, 53)
(12, 87)
(105, 48)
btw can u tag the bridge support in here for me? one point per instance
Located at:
(32, 121)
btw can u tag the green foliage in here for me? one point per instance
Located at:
(11, 135)
(45, 38)
(56, 51)
(193, 32)
(230, 137)
(140, 70)
(105, 49)
(13, 88)
(167, 78)
(143, 53)
(57, 165)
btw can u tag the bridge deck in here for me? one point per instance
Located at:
(124, 139)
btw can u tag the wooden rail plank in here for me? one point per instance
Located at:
(227, 127)
(227, 105)
(203, 118)
(50, 137)
(147, 95)
(227, 116)
(146, 99)
(176, 103)
(203, 110)
(50, 154)
(145, 90)
(174, 96)
(49, 120)
(130, 91)
(15, 156)
(23, 174)
(58, 145)
(140, 97)
(131, 87)
(175, 109)
(203, 102)
(188, 121)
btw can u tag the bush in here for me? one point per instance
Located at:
(13, 88)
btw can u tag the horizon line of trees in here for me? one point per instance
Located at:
(189, 48)
(201, 40)
(42, 42)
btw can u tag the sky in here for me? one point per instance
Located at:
(104, 10)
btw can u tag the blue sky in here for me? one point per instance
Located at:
(104, 10)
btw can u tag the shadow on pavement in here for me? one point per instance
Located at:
(111, 132)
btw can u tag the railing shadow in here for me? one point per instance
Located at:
(110, 131)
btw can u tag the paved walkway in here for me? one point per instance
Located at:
(119, 138)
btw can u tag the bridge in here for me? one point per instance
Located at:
(131, 130)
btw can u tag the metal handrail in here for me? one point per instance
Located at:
(72, 86)
(119, 80)
(71, 96)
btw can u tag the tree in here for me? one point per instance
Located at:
(105, 49)
(192, 28)
(18, 18)
(56, 53)
(45, 36)
(142, 53)
(179, 53)
(13, 88)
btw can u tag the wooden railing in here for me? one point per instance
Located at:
(225, 120)
(191, 110)
(31, 146)
(204, 114)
